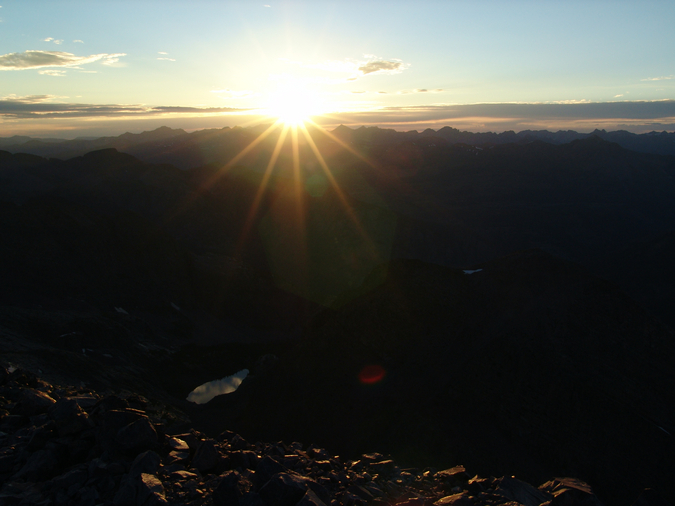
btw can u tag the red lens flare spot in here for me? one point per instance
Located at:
(371, 374)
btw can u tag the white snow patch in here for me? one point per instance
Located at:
(120, 310)
(175, 306)
(204, 393)
(470, 271)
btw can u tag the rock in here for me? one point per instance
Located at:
(570, 492)
(175, 457)
(232, 489)
(146, 462)
(207, 456)
(150, 491)
(39, 466)
(238, 443)
(42, 435)
(266, 468)
(310, 499)
(461, 499)
(178, 444)
(69, 417)
(33, 402)
(87, 496)
(454, 474)
(244, 459)
(137, 436)
(521, 492)
(126, 494)
(24, 378)
(283, 489)
(182, 475)
(75, 477)
(85, 401)
(384, 468)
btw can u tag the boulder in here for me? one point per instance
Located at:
(233, 490)
(33, 402)
(69, 417)
(524, 493)
(206, 457)
(266, 468)
(310, 499)
(570, 492)
(39, 466)
(150, 491)
(146, 462)
(283, 489)
(137, 436)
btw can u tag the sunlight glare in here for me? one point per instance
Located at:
(293, 104)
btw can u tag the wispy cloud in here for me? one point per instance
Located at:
(356, 68)
(382, 67)
(78, 41)
(43, 106)
(662, 78)
(111, 59)
(53, 72)
(162, 52)
(165, 58)
(267, 5)
(40, 59)
(52, 39)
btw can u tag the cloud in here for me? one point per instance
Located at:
(78, 41)
(42, 106)
(111, 59)
(167, 59)
(372, 65)
(583, 116)
(52, 39)
(53, 72)
(382, 67)
(162, 52)
(662, 78)
(617, 96)
(29, 99)
(40, 59)
(267, 5)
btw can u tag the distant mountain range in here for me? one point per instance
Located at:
(189, 150)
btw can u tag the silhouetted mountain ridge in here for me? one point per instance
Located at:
(190, 150)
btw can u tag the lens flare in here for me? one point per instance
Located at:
(371, 374)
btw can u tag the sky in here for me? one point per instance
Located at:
(90, 68)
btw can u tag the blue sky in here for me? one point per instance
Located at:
(72, 68)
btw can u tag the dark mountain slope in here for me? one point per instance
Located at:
(531, 364)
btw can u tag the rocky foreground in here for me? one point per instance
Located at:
(74, 446)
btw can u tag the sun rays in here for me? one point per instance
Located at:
(319, 241)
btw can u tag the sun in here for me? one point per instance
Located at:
(293, 105)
